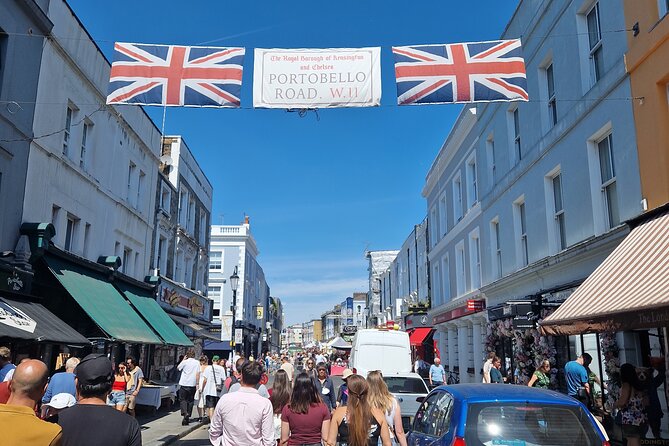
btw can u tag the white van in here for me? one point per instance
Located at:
(384, 350)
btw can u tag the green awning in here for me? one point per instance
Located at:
(102, 302)
(154, 315)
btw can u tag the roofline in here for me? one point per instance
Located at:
(193, 156)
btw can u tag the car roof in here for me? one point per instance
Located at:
(402, 375)
(474, 393)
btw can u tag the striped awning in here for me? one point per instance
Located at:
(629, 290)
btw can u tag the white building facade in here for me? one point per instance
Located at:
(92, 167)
(379, 262)
(233, 246)
(526, 199)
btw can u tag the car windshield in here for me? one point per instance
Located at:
(530, 425)
(399, 384)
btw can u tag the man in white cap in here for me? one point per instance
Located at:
(342, 396)
(58, 402)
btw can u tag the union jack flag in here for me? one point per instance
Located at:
(176, 75)
(460, 72)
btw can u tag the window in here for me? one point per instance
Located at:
(521, 232)
(191, 216)
(55, 210)
(131, 176)
(216, 312)
(472, 194)
(490, 155)
(446, 280)
(70, 232)
(162, 257)
(595, 42)
(183, 208)
(86, 129)
(117, 249)
(516, 135)
(140, 189)
(434, 227)
(127, 256)
(165, 198)
(496, 248)
(436, 285)
(68, 128)
(457, 198)
(460, 278)
(443, 226)
(203, 227)
(87, 237)
(608, 180)
(214, 293)
(550, 88)
(475, 258)
(215, 260)
(434, 415)
(663, 8)
(558, 214)
(137, 266)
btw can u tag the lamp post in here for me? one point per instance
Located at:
(234, 283)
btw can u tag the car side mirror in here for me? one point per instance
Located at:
(420, 399)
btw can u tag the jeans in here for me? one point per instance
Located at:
(186, 397)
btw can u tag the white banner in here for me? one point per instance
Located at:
(239, 335)
(16, 318)
(317, 78)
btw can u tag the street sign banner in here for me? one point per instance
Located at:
(317, 78)
(239, 336)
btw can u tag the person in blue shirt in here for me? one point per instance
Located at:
(62, 382)
(6, 365)
(437, 373)
(577, 378)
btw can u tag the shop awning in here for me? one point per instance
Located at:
(629, 290)
(418, 336)
(102, 302)
(155, 316)
(23, 319)
(199, 330)
(340, 344)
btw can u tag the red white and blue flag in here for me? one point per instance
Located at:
(176, 75)
(460, 72)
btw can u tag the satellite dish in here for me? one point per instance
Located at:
(166, 160)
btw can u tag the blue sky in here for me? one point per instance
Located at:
(319, 190)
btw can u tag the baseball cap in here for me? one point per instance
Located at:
(215, 358)
(95, 368)
(346, 373)
(61, 401)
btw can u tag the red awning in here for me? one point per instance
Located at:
(418, 336)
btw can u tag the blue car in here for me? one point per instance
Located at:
(503, 415)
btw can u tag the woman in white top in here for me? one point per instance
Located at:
(212, 386)
(204, 361)
(381, 399)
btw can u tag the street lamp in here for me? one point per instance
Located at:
(234, 283)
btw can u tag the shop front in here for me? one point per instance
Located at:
(460, 326)
(421, 337)
(624, 306)
(192, 313)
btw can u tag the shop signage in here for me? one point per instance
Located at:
(16, 318)
(259, 312)
(456, 313)
(349, 329)
(474, 305)
(417, 320)
(184, 301)
(239, 335)
(317, 78)
(522, 323)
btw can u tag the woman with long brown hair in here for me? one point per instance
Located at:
(305, 420)
(279, 397)
(380, 398)
(358, 424)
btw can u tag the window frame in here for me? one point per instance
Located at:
(490, 154)
(445, 278)
(475, 270)
(595, 50)
(472, 182)
(460, 269)
(559, 214)
(608, 184)
(495, 248)
(458, 212)
(67, 131)
(552, 101)
(517, 147)
(214, 260)
(71, 227)
(522, 213)
(83, 149)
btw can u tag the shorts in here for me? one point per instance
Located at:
(131, 401)
(631, 431)
(116, 398)
(211, 401)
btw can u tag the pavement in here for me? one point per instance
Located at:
(164, 427)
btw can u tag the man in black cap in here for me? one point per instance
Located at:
(91, 421)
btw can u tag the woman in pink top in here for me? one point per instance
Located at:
(306, 420)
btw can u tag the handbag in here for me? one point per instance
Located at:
(219, 387)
